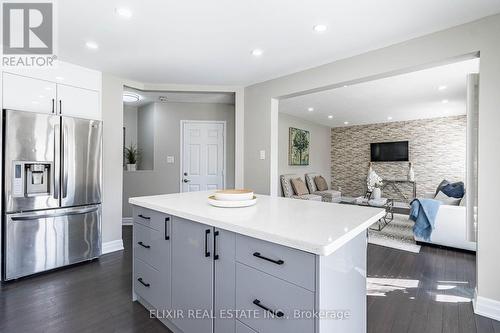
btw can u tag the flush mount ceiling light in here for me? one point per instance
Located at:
(257, 52)
(346, 123)
(311, 109)
(444, 101)
(123, 12)
(319, 28)
(443, 87)
(389, 118)
(330, 117)
(92, 45)
(129, 97)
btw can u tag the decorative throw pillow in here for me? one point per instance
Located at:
(299, 187)
(441, 185)
(446, 200)
(321, 183)
(455, 190)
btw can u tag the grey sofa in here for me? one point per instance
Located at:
(288, 192)
(328, 195)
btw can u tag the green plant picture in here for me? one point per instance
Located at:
(298, 146)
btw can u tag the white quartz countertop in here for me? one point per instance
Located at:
(316, 227)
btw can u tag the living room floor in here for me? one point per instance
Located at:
(426, 292)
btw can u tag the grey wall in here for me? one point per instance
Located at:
(130, 124)
(319, 150)
(478, 36)
(437, 151)
(145, 136)
(165, 178)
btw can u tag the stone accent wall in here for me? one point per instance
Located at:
(437, 150)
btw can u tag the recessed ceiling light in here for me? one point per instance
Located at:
(330, 117)
(319, 28)
(346, 123)
(123, 12)
(443, 87)
(310, 109)
(345, 86)
(92, 45)
(389, 118)
(257, 52)
(444, 101)
(129, 97)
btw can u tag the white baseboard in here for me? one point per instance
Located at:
(127, 221)
(108, 247)
(486, 307)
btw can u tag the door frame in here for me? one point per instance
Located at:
(181, 150)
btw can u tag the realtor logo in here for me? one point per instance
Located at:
(28, 33)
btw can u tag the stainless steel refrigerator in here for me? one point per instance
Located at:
(51, 207)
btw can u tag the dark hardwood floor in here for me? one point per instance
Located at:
(426, 292)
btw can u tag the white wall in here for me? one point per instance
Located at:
(112, 117)
(480, 36)
(319, 148)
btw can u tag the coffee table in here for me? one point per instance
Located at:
(388, 205)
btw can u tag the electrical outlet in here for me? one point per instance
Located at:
(170, 159)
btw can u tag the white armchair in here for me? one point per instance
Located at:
(450, 227)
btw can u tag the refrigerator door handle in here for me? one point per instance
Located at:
(64, 169)
(56, 174)
(44, 216)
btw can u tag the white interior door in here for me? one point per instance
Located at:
(203, 156)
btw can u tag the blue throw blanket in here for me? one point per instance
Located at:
(423, 212)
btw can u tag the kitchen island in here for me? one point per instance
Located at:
(282, 265)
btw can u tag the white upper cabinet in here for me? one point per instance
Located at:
(78, 102)
(28, 94)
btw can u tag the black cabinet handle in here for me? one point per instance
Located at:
(216, 256)
(53, 106)
(207, 253)
(60, 106)
(143, 283)
(144, 217)
(143, 245)
(277, 262)
(278, 314)
(167, 237)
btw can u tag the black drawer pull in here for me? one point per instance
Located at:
(167, 219)
(277, 262)
(216, 256)
(144, 217)
(143, 245)
(143, 283)
(278, 314)
(207, 253)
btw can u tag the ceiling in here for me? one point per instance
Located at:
(434, 92)
(147, 97)
(207, 42)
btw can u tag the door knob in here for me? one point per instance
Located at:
(186, 180)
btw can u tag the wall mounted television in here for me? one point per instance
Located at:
(389, 151)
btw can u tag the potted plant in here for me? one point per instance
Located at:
(131, 156)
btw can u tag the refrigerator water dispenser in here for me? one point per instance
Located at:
(31, 178)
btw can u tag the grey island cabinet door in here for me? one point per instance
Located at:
(225, 281)
(192, 276)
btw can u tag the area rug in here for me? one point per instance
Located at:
(397, 235)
